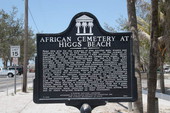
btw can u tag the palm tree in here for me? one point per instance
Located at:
(152, 78)
(138, 106)
(144, 22)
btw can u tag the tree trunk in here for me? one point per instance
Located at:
(161, 56)
(162, 84)
(138, 106)
(5, 62)
(11, 59)
(152, 79)
(167, 26)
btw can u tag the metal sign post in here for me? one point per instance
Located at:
(85, 108)
(15, 81)
(7, 86)
(15, 53)
(15, 63)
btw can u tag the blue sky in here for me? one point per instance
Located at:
(54, 16)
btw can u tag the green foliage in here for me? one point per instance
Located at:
(123, 24)
(12, 33)
(143, 9)
(143, 25)
(167, 59)
(144, 51)
(109, 28)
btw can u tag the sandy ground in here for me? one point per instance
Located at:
(22, 103)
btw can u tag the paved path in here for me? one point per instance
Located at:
(9, 82)
(22, 103)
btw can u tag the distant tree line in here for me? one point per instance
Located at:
(11, 34)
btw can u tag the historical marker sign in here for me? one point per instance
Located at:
(84, 63)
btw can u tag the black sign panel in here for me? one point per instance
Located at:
(84, 63)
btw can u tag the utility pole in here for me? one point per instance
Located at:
(24, 87)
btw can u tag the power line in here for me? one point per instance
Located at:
(33, 19)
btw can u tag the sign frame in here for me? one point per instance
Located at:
(43, 97)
